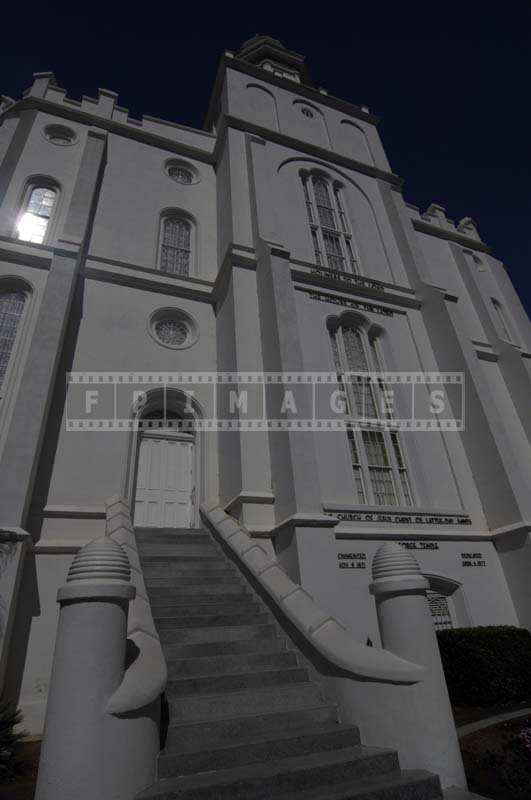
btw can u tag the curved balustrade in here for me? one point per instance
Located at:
(145, 678)
(328, 636)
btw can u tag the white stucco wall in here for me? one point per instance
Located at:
(249, 190)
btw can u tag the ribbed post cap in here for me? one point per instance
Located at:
(393, 561)
(100, 560)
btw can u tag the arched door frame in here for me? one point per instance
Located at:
(186, 406)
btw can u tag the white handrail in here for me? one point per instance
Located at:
(328, 636)
(145, 679)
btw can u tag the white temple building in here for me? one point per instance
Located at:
(275, 241)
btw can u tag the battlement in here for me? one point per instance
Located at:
(106, 107)
(435, 214)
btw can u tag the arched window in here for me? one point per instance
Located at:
(11, 310)
(34, 221)
(502, 319)
(161, 418)
(380, 471)
(176, 245)
(329, 226)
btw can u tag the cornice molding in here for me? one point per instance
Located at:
(235, 256)
(228, 121)
(139, 134)
(68, 512)
(433, 230)
(29, 254)
(15, 253)
(128, 277)
(516, 528)
(149, 270)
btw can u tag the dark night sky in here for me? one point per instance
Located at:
(451, 82)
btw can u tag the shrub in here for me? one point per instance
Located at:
(486, 666)
(10, 763)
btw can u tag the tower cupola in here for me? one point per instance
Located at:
(272, 56)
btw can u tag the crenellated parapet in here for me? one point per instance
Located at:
(104, 109)
(435, 214)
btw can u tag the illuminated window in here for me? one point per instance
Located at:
(331, 235)
(378, 461)
(35, 219)
(176, 246)
(11, 310)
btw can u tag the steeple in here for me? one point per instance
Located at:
(272, 56)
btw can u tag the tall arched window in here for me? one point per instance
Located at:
(176, 245)
(329, 226)
(11, 310)
(502, 319)
(380, 471)
(34, 221)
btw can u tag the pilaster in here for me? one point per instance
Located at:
(13, 153)
(498, 483)
(20, 456)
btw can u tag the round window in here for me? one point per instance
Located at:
(181, 172)
(174, 328)
(171, 331)
(60, 134)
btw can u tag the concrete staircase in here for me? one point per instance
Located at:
(246, 718)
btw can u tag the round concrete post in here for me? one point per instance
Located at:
(423, 713)
(88, 667)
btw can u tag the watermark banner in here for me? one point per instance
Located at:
(258, 401)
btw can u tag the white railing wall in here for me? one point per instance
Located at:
(396, 695)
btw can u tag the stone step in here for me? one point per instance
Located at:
(236, 681)
(199, 602)
(267, 644)
(200, 620)
(400, 785)
(217, 733)
(217, 634)
(173, 586)
(182, 760)
(146, 530)
(246, 721)
(178, 573)
(194, 708)
(154, 555)
(228, 664)
(173, 553)
(180, 607)
(208, 570)
(265, 781)
(161, 536)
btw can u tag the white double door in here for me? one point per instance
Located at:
(165, 481)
